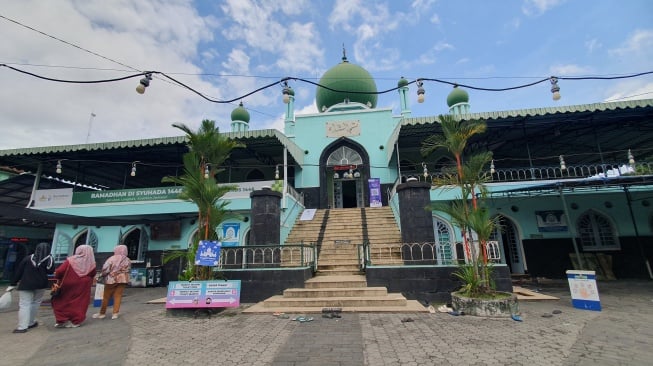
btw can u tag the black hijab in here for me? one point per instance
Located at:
(41, 254)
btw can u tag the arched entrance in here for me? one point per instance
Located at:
(344, 173)
(511, 247)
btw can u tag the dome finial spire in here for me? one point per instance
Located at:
(344, 53)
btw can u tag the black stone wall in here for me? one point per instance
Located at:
(428, 284)
(416, 221)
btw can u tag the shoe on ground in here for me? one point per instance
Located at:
(20, 331)
(36, 324)
(99, 316)
(60, 325)
(114, 316)
(72, 325)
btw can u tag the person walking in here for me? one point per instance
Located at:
(31, 277)
(116, 276)
(76, 277)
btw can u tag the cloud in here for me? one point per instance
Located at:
(569, 70)
(142, 35)
(593, 44)
(539, 7)
(639, 42)
(630, 90)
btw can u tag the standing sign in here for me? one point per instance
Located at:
(375, 192)
(230, 235)
(208, 253)
(584, 293)
(203, 294)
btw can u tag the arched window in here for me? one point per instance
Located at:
(597, 232)
(137, 242)
(344, 156)
(88, 237)
(444, 241)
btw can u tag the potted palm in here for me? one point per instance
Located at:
(477, 296)
(208, 151)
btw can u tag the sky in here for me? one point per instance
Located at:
(227, 49)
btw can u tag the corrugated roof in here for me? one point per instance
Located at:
(521, 113)
(296, 152)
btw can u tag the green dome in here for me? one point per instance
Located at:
(240, 114)
(456, 96)
(402, 82)
(346, 77)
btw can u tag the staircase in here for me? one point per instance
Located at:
(339, 281)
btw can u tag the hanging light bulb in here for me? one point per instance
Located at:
(276, 172)
(631, 158)
(563, 166)
(426, 171)
(555, 89)
(206, 171)
(336, 175)
(492, 170)
(144, 83)
(357, 174)
(287, 92)
(58, 167)
(420, 91)
(133, 173)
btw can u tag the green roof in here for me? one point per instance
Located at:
(532, 112)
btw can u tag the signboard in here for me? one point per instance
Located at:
(203, 294)
(208, 253)
(230, 234)
(551, 221)
(53, 197)
(375, 192)
(584, 293)
(127, 195)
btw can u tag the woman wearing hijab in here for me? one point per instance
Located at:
(116, 273)
(31, 276)
(76, 276)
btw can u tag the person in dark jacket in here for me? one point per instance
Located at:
(31, 277)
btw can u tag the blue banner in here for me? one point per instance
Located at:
(208, 253)
(230, 235)
(375, 192)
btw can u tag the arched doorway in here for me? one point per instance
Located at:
(344, 173)
(510, 244)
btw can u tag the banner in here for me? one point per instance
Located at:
(203, 294)
(375, 192)
(230, 235)
(208, 253)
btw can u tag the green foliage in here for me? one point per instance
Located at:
(473, 284)
(208, 151)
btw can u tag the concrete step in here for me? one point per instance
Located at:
(394, 299)
(335, 292)
(336, 272)
(412, 306)
(336, 281)
(338, 267)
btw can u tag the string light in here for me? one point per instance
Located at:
(555, 89)
(133, 173)
(426, 172)
(631, 158)
(276, 172)
(492, 169)
(206, 171)
(563, 166)
(58, 167)
(147, 77)
(420, 91)
(144, 83)
(287, 92)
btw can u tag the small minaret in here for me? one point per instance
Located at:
(239, 119)
(402, 84)
(458, 101)
(289, 121)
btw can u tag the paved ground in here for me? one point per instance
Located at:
(621, 334)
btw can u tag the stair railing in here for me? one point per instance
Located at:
(363, 255)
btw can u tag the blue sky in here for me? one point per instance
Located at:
(225, 49)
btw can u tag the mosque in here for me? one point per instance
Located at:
(567, 183)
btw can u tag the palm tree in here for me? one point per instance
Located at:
(208, 151)
(470, 179)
